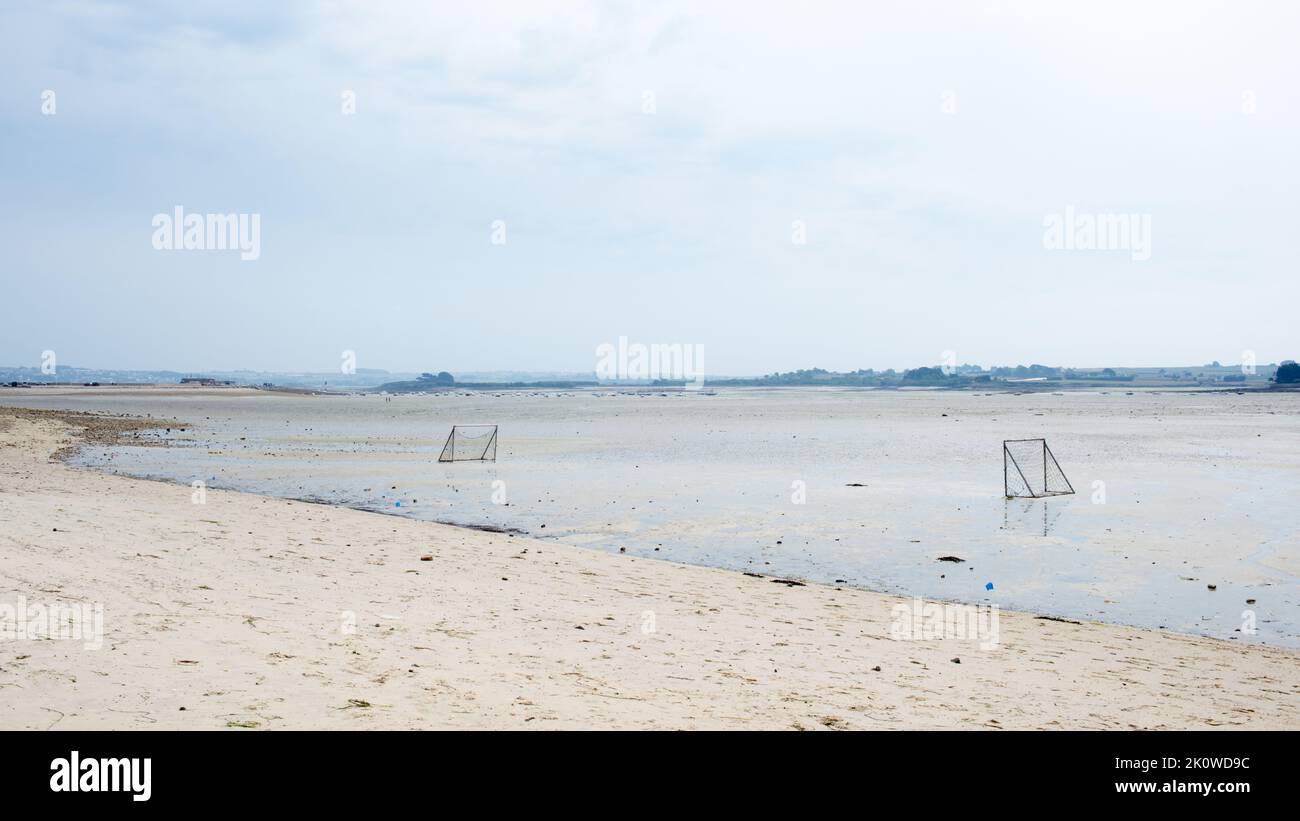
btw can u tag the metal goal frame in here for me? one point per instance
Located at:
(490, 447)
(1009, 461)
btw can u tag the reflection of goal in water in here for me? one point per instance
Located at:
(1022, 517)
(470, 443)
(1029, 470)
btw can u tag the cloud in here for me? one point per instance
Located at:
(920, 144)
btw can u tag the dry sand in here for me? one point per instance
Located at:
(234, 613)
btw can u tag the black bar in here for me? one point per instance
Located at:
(981, 771)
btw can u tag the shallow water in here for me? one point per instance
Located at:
(1199, 488)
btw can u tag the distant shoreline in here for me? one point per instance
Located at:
(1000, 386)
(951, 376)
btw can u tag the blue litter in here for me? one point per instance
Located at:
(988, 586)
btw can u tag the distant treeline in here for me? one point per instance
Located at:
(443, 381)
(935, 376)
(960, 376)
(955, 377)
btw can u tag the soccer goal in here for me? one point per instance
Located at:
(470, 443)
(1029, 470)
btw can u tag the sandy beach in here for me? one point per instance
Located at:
(247, 611)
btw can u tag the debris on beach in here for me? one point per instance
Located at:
(951, 559)
(1057, 618)
(789, 582)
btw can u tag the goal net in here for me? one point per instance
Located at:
(470, 443)
(1029, 470)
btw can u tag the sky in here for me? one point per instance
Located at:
(835, 185)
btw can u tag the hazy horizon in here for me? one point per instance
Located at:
(590, 371)
(513, 185)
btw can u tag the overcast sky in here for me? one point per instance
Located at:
(654, 166)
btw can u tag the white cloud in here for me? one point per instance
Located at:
(924, 226)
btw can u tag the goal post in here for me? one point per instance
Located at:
(470, 443)
(1030, 470)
